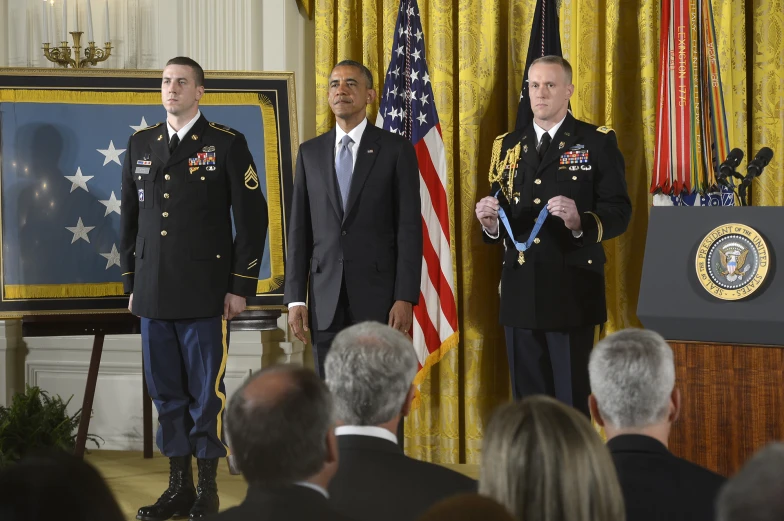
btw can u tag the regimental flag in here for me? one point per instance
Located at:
(61, 157)
(545, 41)
(691, 126)
(408, 108)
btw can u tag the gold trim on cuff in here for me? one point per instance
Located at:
(599, 226)
(245, 276)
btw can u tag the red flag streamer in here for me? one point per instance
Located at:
(691, 126)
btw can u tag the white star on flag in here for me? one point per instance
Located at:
(112, 258)
(111, 154)
(112, 205)
(80, 231)
(140, 126)
(79, 180)
(411, 101)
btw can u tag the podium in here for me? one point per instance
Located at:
(729, 354)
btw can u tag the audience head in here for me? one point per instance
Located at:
(543, 460)
(633, 382)
(754, 493)
(370, 369)
(466, 507)
(281, 428)
(55, 485)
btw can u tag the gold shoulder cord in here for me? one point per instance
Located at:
(495, 176)
(498, 169)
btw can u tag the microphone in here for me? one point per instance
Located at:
(727, 168)
(757, 164)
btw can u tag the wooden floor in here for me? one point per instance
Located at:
(136, 481)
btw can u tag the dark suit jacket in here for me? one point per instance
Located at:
(561, 283)
(657, 486)
(376, 244)
(292, 503)
(376, 481)
(177, 253)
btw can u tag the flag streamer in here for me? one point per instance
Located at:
(691, 125)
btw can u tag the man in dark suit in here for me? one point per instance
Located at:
(355, 232)
(552, 286)
(187, 276)
(281, 428)
(370, 371)
(634, 398)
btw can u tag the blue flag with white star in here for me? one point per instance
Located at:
(61, 178)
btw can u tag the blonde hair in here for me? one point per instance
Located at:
(543, 460)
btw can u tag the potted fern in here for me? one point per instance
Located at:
(34, 421)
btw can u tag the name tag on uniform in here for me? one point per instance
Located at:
(142, 170)
(141, 195)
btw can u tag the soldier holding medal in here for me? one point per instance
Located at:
(558, 189)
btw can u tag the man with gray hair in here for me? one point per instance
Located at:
(754, 493)
(281, 427)
(370, 370)
(634, 398)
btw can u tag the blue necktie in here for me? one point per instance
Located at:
(344, 167)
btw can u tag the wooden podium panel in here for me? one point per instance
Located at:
(732, 402)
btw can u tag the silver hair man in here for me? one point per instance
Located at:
(370, 369)
(632, 376)
(754, 493)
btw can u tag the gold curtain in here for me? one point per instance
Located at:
(476, 51)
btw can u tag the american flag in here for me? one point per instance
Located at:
(407, 108)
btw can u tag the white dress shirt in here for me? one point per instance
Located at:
(366, 430)
(184, 130)
(356, 135)
(317, 488)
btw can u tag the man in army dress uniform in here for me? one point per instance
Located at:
(552, 293)
(186, 275)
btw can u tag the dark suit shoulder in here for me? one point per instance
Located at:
(706, 476)
(443, 474)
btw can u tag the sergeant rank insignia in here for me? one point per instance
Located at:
(732, 261)
(251, 178)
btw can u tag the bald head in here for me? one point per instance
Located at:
(268, 387)
(278, 423)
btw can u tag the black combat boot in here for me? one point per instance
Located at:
(207, 501)
(178, 498)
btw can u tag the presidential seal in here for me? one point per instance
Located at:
(732, 261)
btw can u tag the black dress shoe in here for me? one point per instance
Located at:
(178, 499)
(207, 502)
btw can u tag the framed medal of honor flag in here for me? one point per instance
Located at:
(63, 136)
